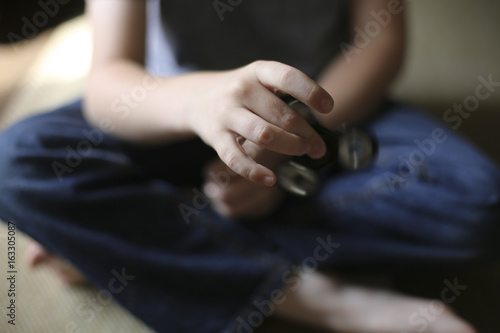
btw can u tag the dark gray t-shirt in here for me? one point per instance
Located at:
(186, 35)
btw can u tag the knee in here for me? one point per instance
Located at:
(476, 207)
(30, 147)
(13, 164)
(13, 143)
(16, 143)
(25, 153)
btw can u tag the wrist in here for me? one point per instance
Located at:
(197, 98)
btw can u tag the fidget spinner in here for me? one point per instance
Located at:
(347, 149)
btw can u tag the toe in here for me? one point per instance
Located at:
(36, 254)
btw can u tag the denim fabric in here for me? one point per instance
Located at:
(115, 211)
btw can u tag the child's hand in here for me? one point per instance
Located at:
(243, 104)
(238, 197)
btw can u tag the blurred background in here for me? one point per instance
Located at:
(44, 59)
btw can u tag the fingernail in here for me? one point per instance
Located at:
(318, 150)
(307, 148)
(327, 104)
(269, 180)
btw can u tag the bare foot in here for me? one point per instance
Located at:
(37, 255)
(324, 302)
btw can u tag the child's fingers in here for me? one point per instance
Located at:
(289, 80)
(231, 153)
(238, 190)
(245, 201)
(215, 167)
(274, 110)
(266, 135)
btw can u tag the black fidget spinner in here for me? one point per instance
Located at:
(347, 149)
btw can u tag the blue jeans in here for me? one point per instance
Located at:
(121, 215)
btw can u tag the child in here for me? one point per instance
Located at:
(181, 108)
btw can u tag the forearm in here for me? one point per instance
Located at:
(359, 80)
(357, 87)
(122, 98)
